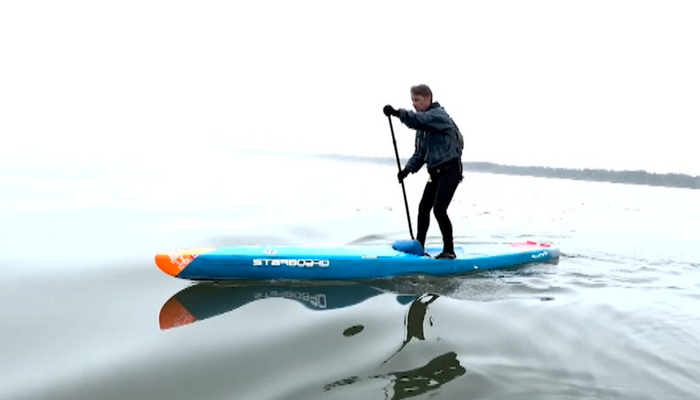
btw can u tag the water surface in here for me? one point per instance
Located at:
(86, 314)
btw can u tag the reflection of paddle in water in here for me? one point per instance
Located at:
(417, 381)
(414, 320)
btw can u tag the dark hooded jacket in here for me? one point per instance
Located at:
(438, 138)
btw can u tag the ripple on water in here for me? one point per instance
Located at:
(589, 347)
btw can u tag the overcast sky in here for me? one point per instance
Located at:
(611, 84)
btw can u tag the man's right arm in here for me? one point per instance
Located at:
(432, 121)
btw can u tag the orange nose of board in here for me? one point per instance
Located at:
(173, 263)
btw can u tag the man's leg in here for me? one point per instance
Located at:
(446, 188)
(426, 204)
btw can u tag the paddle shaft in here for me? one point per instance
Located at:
(403, 188)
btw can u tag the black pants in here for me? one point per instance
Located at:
(437, 196)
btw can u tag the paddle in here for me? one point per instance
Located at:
(398, 164)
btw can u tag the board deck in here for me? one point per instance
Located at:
(351, 262)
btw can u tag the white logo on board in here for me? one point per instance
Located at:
(540, 255)
(290, 262)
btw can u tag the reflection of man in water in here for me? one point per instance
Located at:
(434, 374)
(431, 376)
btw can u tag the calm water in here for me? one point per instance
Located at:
(86, 314)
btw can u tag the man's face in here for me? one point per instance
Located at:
(420, 103)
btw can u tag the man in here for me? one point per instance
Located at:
(438, 145)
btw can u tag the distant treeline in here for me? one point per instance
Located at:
(638, 177)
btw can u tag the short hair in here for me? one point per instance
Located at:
(422, 90)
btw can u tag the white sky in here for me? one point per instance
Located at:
(557, 83)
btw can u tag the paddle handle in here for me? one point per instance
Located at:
(403, 188)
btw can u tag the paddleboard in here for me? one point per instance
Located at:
(350, 262)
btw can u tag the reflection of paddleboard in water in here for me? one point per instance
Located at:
(346, 336)
(202, 301)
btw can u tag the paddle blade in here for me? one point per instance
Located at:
(408, 246)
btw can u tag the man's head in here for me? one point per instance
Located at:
(422, 97)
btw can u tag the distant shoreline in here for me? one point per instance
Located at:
(636, 177)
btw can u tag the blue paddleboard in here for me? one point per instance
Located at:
(351, 262)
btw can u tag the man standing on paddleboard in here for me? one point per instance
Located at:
(438, 146)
